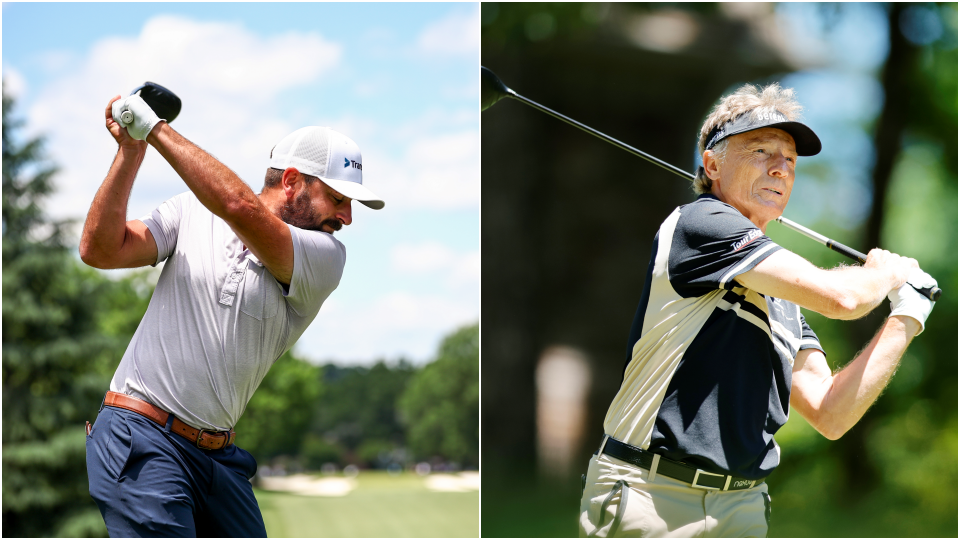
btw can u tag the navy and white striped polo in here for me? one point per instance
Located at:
(709, 362)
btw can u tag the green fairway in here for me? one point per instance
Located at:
(380, 506)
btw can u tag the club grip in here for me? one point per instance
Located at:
(932, 293)
(848, 251)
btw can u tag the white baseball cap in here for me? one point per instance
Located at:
(330, 156)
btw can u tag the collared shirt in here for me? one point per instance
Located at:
(709, 362)
(218, 319)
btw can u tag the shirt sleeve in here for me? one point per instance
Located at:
(318, 261)
(164, 224)
(713, 244)
(809, 339)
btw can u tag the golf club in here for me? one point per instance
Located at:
(162, 101)
(493, 90)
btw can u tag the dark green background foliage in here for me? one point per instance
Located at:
(442, 404)
(568, 223)
(66, 326)
(378, 416)
(359, 412)
(281, 409)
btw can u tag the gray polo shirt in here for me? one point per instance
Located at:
(218, 319)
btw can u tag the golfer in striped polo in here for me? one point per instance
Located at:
(719, 349)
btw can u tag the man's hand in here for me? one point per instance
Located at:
(898, 268)
(144, 119)
(906, 301)
(119, 132)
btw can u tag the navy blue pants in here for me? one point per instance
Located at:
(149, 481)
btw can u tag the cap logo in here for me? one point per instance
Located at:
(770, 115)
(346, 163)
(352, 163)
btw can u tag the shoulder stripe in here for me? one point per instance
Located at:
(746, 262)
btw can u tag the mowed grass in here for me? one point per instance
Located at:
(380, 506)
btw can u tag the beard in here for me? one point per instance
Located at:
(300, 214)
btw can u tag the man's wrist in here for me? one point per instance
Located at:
(132, 149)
(153, 138)
(911, 326)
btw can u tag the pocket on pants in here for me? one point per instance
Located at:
(115, 445)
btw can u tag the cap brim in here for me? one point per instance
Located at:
(806, 141)
(356, 192)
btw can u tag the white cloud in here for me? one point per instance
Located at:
(13, 83)
(451, 269)
(456, 34)
(394, 325)
(226, 76)
(438, 172)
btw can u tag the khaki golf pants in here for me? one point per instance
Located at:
(664, 507)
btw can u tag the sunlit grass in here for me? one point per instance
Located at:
(381, 506)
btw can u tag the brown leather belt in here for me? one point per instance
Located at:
(206, 440)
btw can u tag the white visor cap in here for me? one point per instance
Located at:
(330, 156)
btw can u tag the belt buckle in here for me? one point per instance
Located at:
(696, 477)
(200, 436)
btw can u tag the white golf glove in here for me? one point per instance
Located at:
(143, 118)
(907, 301)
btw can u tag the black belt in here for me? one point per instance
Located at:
(689, 474)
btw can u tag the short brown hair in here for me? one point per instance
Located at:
(273, 177)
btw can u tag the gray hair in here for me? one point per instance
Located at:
(749, 99)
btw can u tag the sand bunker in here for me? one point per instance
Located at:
(310, 486)
(465, 481)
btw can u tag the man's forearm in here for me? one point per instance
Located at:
(854, 389)
(868, 287)
(104, 230)
(844, 293)
(215, 185)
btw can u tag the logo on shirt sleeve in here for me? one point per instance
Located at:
(747, 238)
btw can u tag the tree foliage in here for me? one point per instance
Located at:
(281, 409)
(358, 413)
(441, 407)
(64, 329)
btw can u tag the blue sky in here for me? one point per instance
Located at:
(400, 79)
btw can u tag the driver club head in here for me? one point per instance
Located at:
(492, 89)
(163, 102)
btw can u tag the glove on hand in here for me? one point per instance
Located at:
(907, 301)
(144, 119)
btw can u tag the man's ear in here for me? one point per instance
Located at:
(290, 181)
(711, 165)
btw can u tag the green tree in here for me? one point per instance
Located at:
(358, 410)
(62, 339)
(277, 417)
(441, 406)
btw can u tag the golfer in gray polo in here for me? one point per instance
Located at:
(244, 276)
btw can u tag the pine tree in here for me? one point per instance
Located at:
(58, 354)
